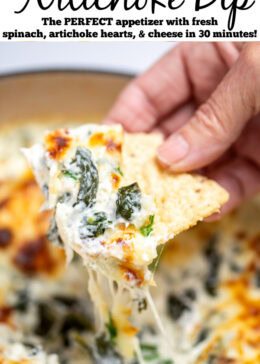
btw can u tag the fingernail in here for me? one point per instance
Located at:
(174, 150)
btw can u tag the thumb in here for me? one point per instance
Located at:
(219, 121)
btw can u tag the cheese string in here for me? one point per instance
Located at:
(139, 352)
(97, 298)
(154, 311)
(157, 318)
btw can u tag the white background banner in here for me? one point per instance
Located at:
(129, 20)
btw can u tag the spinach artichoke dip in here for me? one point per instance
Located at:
(208, 281)
(113, 217)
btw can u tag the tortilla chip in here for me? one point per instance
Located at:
(181, 199)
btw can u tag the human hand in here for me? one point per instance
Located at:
(205, 99)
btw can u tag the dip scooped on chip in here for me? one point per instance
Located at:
(112, 202)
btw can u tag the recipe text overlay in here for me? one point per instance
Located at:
(131, 20)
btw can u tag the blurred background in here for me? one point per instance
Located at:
(124, 57)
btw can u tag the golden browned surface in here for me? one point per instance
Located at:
(23, 241)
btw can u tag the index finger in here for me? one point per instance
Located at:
(151, 96)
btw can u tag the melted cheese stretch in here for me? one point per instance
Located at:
(120, 251)
(117, 309)
(107, 218)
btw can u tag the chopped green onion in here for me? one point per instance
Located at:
(111, 328)
(119, 171)
(152, 267)
(69, 174)
(147, 229)
(150, 352)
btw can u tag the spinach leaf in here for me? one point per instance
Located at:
(142, 305)
(94, 226)
(67, 301)
(88, 176)
(46, 319)
(65, 197)
(128, 201)
(22, 301)
(31, 346)
(202, 336)
(176, 307)
(76, 322)
(214, 261)
(191, 294)
(235, 268)
(104, 352)
(111, 328)
(147, 229)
